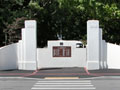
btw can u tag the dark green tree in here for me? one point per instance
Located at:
(65, 19)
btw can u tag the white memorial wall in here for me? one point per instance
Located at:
(113, 56)
(92, 59)
(65, 55)
(8, 57)
(26, 56)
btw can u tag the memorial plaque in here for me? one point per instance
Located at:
(61, 51)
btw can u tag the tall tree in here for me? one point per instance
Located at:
(65, 19)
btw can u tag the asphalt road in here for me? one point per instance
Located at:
(107, 84)
(60, 79)
(93, 83)
(16, 83)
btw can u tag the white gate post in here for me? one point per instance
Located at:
(100, 48)
(93, 45)
(29, 46)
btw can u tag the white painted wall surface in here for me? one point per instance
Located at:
(45, 59)
(8, 57)
(113, 56)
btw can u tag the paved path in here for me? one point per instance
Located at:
(60, 72)
(63, 84)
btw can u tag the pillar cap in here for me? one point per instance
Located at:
(30, 23)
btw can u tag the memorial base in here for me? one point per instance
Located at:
(93, 65)
(27, 65)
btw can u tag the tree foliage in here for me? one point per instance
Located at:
(59, 19)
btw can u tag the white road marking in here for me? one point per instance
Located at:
(63, 85)
(64, 88)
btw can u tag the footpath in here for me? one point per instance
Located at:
(74, 72)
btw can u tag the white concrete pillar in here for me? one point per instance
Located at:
(101, 50)
(29, 45)
(105, 66)
(20, 55)
(93, 45)
(23, 49)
